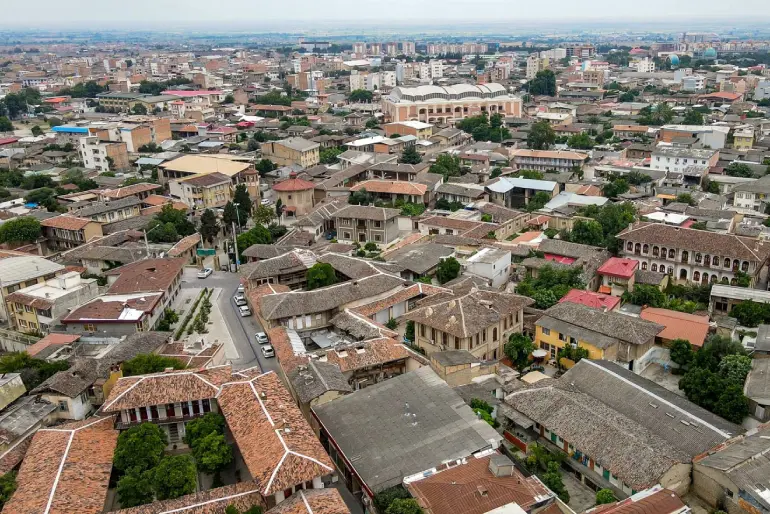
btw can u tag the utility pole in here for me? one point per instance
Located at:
(235, 248)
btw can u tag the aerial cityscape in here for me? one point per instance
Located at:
(408, 258)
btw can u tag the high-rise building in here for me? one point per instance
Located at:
(407, 48)
(391, 49)
(359, 48)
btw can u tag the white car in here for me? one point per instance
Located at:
(266, 201)
(205, 272)
(261, 338)
(241, 289)
(268, 351)
(239, 300)
(244, 310)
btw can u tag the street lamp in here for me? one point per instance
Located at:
(237, 214)
(146, 244)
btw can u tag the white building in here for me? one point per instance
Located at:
(693, 83)
(493, 264)
(762, 91)
(753, 195)
(645, 65)
(680, 160)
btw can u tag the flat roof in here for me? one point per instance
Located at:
(403, 426)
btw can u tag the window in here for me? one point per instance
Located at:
(22, 323)
(654, 267)
(562, 337)
(630, 247)
(644, 266)
(63, 406)
(377, 238)
(494, 334)
(546, 331)
(671, 253)
(646, 249)
(289, 197)
(89, 327)
(422, 330)
(655, 251)
(377, 224)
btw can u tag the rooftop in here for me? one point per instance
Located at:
(679, 325)
(18, 269)
(619, 267)
(591, 299)
(147, 275)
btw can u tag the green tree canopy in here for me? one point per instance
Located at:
(581, 141)
(588, 232)
(410, 156)
(735, 368)
(212, 453)
(330, 155)
(681, 352)
(5, 124)
(135, 488)
(319, 275)
(7, 487)
(404, 506)
(541, 136)
(360, 96)
(172, 225)
(538, 201)
(209, 227)
(263, 214)
(139, 448)
(174, 476)
(544, 83)
(242, 201)
(447, 165)
(485, 128)
(604, 496)
(518, 348)
(257, 235)
(693, 117)
(448, 269)
(21, 229)
(687, 199)
(736, 169)
(145, 363)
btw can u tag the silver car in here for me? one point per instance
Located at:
(268, 351)
(239, 300)
(261, 338)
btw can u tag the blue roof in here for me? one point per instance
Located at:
(70, 129)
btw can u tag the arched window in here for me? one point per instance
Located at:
(725, 280)
(671, 253)
(662, 269)
(745, 266)
(630, 246)
(637, 248)
(714, 278)
(705, 278)
(646, 249)
(707, 260)
(736, 265)
(733, 281)
(727, 262)
(685, 256)
(698, 258)
(654, 267)
(644, 266)
(683, 274)
(696, 276)
(494, 334)
(671, 270)
(663, 253)
(655, 251)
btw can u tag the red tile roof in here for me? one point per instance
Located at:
(312, 501)
(148, 275)
(278, 446)
(185, 244)
(293, 184)
(8, 140)
(67, 470)
(663, 501)
(242, 496)
(391, 187)
(51, 339)
(66, 222)
(591, 299)
(618, 267)
(679, 325)
(133, 189)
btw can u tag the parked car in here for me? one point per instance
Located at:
(244, 310)
(239, 299)
(262, 338)
(205, 272)
(268, 351)
(266, 201)
(241, 289)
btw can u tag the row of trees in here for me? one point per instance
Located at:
(485, 128)
(551, 285)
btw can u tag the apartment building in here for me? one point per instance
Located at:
(362, 224)
(293, 150)
(417, 129)
(17, 272)
(548, 160)
(752, 195)
(37, 307)
(205, 191)
(693, 256)
(65, 231)
(683, 160)
(103, 156)
(110, 210)
(709, 136)
(447, 104)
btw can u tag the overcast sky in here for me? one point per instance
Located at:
(296, 13)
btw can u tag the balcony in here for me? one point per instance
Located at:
(122, 425)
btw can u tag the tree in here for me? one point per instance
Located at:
(319, 275)
(518, 348)
(212, 453)
(209, 227)
(552, 479)
(37, 131)
(5, 124)
(681, 352)
(279, 208)
(541, 136)
(644, 294)
(581, 141)
(139, 448)
(243, 200)
(145, 363)
(693, 117)
(360, 197)
(384, 499)
(229, 99)
(265, 166)
(229, 215)
(263, 214)
(531, 174)
(330, 155)
(171, 224)
(360, 96)
(33, 371)
(139, 109)
(252, 145)
(735, 368)
(7, 487)
(372, 123)
(447, 165)
(615, 188)
(448, 269)
(750, 313)
(404, 506)
(174, 476)
(257, 235)
(605, 496)
(732, 404)
(135, 488)
(735, 169)
(197, 429)
(686, 198)
(587, 232)
(21, 229)
(544, 83)
(410, 156)
(538, 201)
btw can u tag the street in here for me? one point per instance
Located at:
(242, 330)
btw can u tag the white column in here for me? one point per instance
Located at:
(318, 483)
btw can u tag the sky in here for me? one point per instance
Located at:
(299, 14)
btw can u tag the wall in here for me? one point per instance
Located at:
(11, 391)
(77, 408)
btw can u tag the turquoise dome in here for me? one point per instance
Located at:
(674, 59)
(710, 53)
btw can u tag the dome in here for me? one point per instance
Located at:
(674, 59)
(710, 53)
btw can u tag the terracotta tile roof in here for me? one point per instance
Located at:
(15, 454)
(115, 308)
(66, 222)
(458, 489)
(191, 359)
(207, 180)
(414, 291)
(32, 301)
(146, 276)
(68, 470)
(591, 299)
(618, 267)
(679, 325)
(549, 154)
(51, 340)
(312, 501)
(284, 352)
(366, 353)
(133, 189)
(255, 295)
(186, 243)
(293, 184)
(391, 187)
(663, 501)
(278, 446)
(180, 206)
(242, 496)
(157, 200)
(166, 387)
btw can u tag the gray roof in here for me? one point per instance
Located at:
(757, 387)
(316, 378)
(608, 324)
(365, 212)
(352, 267)
(137, 222)
(454, 357)
(403, 426)
(21, 416)
(298, 144)
(262, 251)
(287, 263)
(762, 344)
(761, 185)
(469, 190)
(419, 258)
(18, 269)
(648, 277)
(358, 326)
(567, 249)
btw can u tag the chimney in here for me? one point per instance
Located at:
(500, 465)
(482, 491)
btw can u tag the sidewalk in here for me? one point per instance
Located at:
(218, 331)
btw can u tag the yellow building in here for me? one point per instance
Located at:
(205, 191)
(23, 271)
(605, 335)
(293, 150)
(743, 138)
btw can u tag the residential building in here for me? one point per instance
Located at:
(240, 171)
(469, 319)
(436, 104)
(617, 276)
(616, 429)
(38, 307)
(288, 269)
(513, 192)
(296, 196)
(692, 163)
(417, 129)
(391, 191)
(723, 298)
(148, 276)
(115, 315)
(693, 256)
(293, 150)
(109, 210)
(645, 65)
(205, 191)
(591, 299)
(103, 156)
(17, 272)
(709, 136)
(629, 131)
(460, 367)
(64, 232)
(361, 224)
(678, 325)
(606, 335)
(754, 195)
(548, 160)
(693, 83)
(363, 456)
(743, 138)
(536, 64)
(492, 264)
(417, 259)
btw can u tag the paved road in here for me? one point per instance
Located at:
(241, 329)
